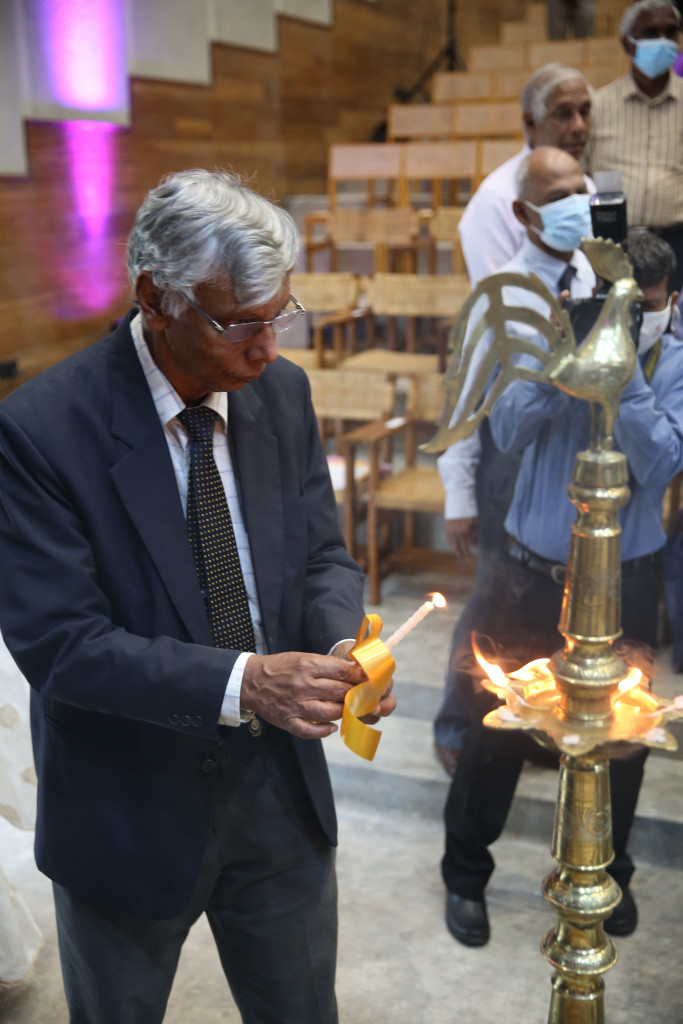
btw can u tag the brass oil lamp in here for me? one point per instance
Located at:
(584, 701)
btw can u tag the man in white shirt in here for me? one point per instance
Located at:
(556, 111)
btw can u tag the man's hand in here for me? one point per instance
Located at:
(461, 534)
(302, 693)
(386, 703)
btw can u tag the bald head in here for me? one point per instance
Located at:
(545, 176)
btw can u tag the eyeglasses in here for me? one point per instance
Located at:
(242, 332)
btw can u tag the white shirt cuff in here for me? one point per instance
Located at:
(231, 713)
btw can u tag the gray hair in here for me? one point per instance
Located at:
(632, 13)
(208, 227)
(542, 84)
(652, 258)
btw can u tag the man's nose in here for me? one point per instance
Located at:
(264, 345)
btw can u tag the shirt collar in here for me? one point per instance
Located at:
(549, 268)
(167, 401)
(632, 91)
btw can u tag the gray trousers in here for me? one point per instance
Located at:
(268, 888)
(580, 16)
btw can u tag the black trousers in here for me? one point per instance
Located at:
(495, 485)
(267, 886)
(519, 609)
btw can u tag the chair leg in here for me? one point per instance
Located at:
(373, 553)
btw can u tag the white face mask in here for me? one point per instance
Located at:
(654, 325)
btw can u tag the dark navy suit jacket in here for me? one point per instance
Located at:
(100, 606)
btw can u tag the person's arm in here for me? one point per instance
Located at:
(489, 233)
(457, 468)
(649, 428)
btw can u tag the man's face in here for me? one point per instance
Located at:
(194, 356)
(659, 24)
(554, 180)
(567, 123)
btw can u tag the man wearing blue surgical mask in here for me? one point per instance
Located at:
(638, 123)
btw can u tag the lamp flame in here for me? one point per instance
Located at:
(633, 678)
(438, 600)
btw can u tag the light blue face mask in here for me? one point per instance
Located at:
(654, 57)
(565, 222)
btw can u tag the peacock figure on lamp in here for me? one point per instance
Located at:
(584, 701)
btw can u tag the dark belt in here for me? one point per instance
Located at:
(556, 570)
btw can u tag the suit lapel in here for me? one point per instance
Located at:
(146, 483)
(257, 465)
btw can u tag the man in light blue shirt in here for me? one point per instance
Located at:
(518, 605)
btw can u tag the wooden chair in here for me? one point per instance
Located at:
(411, 487)
(486, 120)
(436, 163)
(332, 303)
(602, 74)
(455, 86)
(342, 397)
(368, 163)
(487, 56)
(508, 84)
(442, 226)
(512, 32)
(419, 121)
(565, 51)
(494, 152)
(391, 231)
(536, 12)
(410, 297)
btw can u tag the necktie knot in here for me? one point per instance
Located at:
(200, 422)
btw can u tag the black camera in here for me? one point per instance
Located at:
(609, 220)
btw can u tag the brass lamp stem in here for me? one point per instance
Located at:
(588, 672)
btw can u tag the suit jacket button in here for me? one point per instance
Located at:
(197, 721)
(174, 719)
(208, 765)
(186, 720)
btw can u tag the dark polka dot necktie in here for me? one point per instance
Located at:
(212, 539)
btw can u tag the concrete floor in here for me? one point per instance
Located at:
(397, 962)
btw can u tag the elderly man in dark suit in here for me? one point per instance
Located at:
(170, 555)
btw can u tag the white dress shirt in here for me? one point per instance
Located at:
(168, 404)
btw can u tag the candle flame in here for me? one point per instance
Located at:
(494, 672)
(438, 600)
(633, 678)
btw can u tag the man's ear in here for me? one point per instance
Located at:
(150, 301)
(628, 46)
(521, 213)
(674, 299)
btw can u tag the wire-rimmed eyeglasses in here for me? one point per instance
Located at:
(242, 332)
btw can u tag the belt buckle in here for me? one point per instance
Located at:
(557, 573)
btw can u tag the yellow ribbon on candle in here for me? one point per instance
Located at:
(376, 660)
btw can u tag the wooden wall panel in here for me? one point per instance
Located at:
(269, 116)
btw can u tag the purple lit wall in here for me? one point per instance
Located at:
(84, 51)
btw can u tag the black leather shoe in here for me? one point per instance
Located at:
(624, 917)
(467, 920)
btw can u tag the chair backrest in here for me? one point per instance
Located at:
(438, 295)
(604, 51)
(437, 162)
(537, 13)
(602, 74)
(478, 120)
(522, 32)
(420, 121)
(508, 84)
(369, 162)
(448, 86)
(443, 225)
(426, 397)
(326, 293)
(565, 51)
(484, 57)
(493, 153)
(352, 395)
